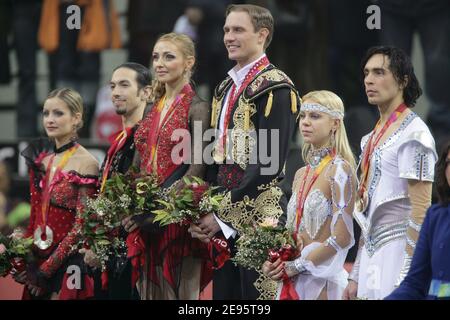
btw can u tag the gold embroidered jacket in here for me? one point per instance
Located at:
(262, 123)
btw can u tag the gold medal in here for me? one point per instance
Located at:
(218, 158)
(218, 154)
(39, 242)
(362, 202)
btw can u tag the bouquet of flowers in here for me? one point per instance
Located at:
(187, 204)
(264, 241)
(14, 252)
(124, 195)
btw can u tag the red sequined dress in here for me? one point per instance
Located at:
(67, 198)
(172, 255)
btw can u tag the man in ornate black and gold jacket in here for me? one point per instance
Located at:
(254, 112)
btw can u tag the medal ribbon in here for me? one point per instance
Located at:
(118, 143)
(260, 65)
(50, 184)
(304, 192)
(154, 134)
(371, 144)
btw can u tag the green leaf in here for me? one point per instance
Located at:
(198, 180)
(93, 224)
(100, 231)
(186, 180)
(214, 202)
(187, 198)
(163, 202)
(103, 242)
(159, 217)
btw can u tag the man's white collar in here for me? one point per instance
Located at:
(239, 76)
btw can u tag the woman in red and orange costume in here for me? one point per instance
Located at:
(63, 174)
(176, 266)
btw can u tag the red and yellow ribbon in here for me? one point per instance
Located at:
(372, 143)
(303, 193)
(49, 183)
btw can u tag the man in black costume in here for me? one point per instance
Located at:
(254, 111)
(131, 87)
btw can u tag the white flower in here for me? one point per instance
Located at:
(269, 222)
(141, 187)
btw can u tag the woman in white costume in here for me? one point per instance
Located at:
(397, 171)
(321, 206)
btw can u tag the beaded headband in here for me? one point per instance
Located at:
(335, 114)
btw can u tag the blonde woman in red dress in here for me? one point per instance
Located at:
(62, 175)
(176, 266)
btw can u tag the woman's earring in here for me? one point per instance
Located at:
(333, 139)
(75, 135)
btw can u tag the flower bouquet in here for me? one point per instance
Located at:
(187, 204)
(124, 195)
(188, 201)
(14, 253)
(264, 241)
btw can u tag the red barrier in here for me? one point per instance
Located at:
(9, 289)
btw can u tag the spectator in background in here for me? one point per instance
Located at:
(4, 184)
(5, 26)
(13, 214)
(288, 50)
(75, 54)
(431, 19)
(207, 17)
(25, 23)
(348, 17)
(146, 21)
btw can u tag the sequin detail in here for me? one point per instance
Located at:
(66, 200)
(317, 210)
(382, 235)
(376, 172)
(179, 119)
(420, 168)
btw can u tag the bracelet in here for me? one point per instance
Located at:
(331, 241)
(295, 267)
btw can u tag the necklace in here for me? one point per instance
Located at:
(65, 147)
(315, 156)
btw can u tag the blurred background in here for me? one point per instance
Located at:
(318, 43)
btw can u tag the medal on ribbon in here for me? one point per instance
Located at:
(43, 234)
(38, 239)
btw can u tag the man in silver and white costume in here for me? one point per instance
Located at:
(397, 171)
